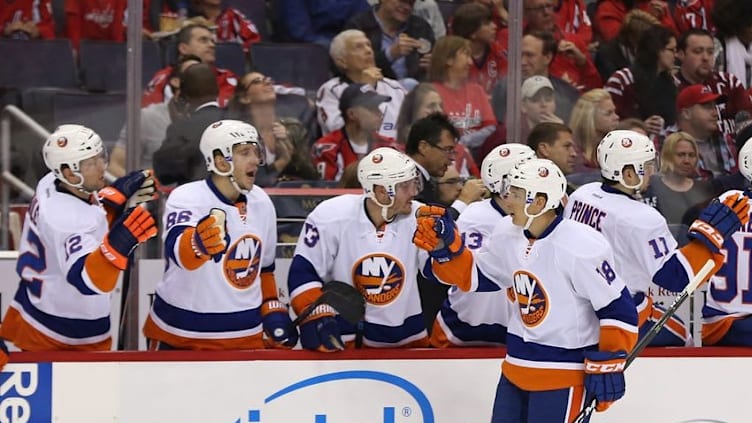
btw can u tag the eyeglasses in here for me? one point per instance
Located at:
(672, 50)
(453, 181)
(260, 80)
(449, 150)
(541, 8)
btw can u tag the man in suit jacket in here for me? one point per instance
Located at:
(179, 159)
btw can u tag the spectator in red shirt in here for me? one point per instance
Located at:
(232, 25)
(474, 23)
(359, 105)
(690, 14)
(198, 40)
(571, 61)
(94, 20)
(572, 18)
(610, 14)
(27, 19)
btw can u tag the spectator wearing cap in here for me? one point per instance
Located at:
(401, 41)
(538, 49)
(697, 115)
(538, 104)
(474, 23)
(353, 55)
(360, 107)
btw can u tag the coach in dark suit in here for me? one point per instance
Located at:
(179, 159)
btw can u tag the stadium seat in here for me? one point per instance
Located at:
(255, 10)
(37, 63)
(301, 108)
(300, 64)
(291, 212)
(103, 64)
(447, 8)
(230, 56)
(58, 15)
(104, 113)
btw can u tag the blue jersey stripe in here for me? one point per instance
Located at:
(518, 348)
(205, 322)
(485, 332)
(75, 276)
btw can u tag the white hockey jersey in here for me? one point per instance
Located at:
(57, 296)
(566, 300)
(474, 318)
(729, 295)
(218, 304)
(339, 242)
(330, 118)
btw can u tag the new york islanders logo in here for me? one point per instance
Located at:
(626, 142)
(242, 262)
(62, 142)
(543, 172)
(504, 152)
(531, 298)
(379, 277)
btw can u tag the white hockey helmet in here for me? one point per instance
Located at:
(386, 167)
(499, 161)
(67, 146)
(222, 136)
(745, 160)
(539, 176)
(622, 148)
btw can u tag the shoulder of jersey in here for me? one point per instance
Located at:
(333, 84)
(190, 193)
(588, 240)
(258, 195)
(339, 208)
(394, 85)
(479, 209)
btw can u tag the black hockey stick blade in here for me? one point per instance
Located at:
(342, 297)
(673, 308)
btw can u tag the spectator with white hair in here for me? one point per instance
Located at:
(353, 55)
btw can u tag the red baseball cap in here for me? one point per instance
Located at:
(695, 94)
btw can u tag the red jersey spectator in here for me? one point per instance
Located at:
(27, 19)
(94, 20)
(198, 40)
(474, 23)
(610, 14)
(690, 14)
(571, 61)
(695, 51)
(232, 25)
(572, 18)
(359, 105)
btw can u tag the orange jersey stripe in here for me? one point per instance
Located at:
(27, 338)
(697, 254)
(268, 286)
(616, 339)
(713, 332)
(539, 379)
(644, 310)
(188, 258)
(154, 332)
(102, 273)
(671, 324)
(457, 271)
(304, 299)
(438, 337)
(576, 402)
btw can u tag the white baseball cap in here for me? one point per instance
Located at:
(535, 83)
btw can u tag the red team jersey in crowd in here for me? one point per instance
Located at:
(234, 27)
(585, 77)
(468, 108)
(95, 20)
(611, 14)
(158, 92)
(694, 14)
(333, 152)
(572, 18)
(734, 98)
(491, 68)
(37, 11)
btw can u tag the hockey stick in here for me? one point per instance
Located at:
(678, 301)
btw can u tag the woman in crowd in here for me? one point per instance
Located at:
(680, 196)
(593, 116)
(465, 103)
(422, 101)
(286, 139)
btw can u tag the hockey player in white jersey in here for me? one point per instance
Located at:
(727, 314)
(558, 290)
(218, 290)
(364, 240)
(480, 318)
(643, 246)
(73, 249)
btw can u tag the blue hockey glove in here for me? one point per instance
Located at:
(277, 325)
(604, 376)
(719, 220)
(320, 331)
(132, 228)
(139, 186)
(437, 233)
